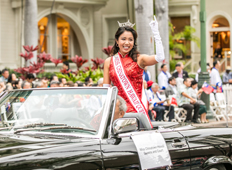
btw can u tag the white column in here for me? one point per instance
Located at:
(31, 27)
(161, 9)
(143, 15)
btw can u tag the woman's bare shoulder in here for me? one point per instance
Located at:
(107, 61)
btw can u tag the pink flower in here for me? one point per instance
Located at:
(87, 68)
(64, 71)
(27, 56)
(44, 57)
(107, 50)
(37, 65)
(56, 61)
(78, 61)
(30, 49)
(97, 63)
(20, 70)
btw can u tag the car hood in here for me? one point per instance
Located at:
(23, 151)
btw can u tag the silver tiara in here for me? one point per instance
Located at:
(128, 23)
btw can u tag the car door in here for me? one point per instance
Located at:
(124, 155)
(207, 143)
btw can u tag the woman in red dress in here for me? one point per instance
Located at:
(127, 70)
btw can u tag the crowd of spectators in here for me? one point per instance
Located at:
(183, 89)
(11, 81)
(177, 85)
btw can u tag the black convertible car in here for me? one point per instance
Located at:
(73, 128)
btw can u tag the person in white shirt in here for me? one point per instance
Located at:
(215, 79)
(158, 105)
(163, 77)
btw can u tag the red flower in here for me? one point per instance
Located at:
(37, 65)
(30, 49)
(78, 61)
(32, 69)
(87, 68)
(107, 50)
(27, 56)
(44, 57)
(97, 63)
(56, 61)
(20, 70)
(64, 71)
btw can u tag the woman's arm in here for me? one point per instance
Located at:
(146, 60)
(199, 91)
(106, 75)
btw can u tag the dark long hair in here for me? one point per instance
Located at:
(10, 78)
(134, 52)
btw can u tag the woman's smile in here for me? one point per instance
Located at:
(125, 42)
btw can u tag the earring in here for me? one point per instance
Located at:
(116, 45)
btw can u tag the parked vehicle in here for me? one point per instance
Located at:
(73, 128)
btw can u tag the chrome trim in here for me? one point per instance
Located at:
(214, 160)
(123, 125)
(35, 133)
(58, 88)
(112, 118)
(105, 116)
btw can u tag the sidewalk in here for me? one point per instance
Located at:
(214, 124)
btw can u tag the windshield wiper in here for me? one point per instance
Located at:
(51, 128)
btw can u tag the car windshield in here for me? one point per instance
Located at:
(73, 110)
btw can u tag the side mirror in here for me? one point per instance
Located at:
(123, 125)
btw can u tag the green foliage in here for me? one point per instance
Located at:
(186, 35)
(94, 74)
(47, 75)
(192, 76)
(68, 77)
(172, 65)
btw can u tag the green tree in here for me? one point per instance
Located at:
(180, 42)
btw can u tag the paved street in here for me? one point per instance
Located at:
(215, 123)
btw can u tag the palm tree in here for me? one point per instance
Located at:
(143, 15)
(30, 27)
(180, 42)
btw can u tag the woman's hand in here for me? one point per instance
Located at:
(145, 60)
(155, 28)
(199, 91)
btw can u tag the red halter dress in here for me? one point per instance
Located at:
(134, 74)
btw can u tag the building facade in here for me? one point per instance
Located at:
(84, 27)
(218, 27)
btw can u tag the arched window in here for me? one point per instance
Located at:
(220, 22)
(220, 41)
(59, 39)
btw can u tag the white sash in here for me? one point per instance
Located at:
(128, 88)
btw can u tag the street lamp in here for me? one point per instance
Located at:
(204, 75)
